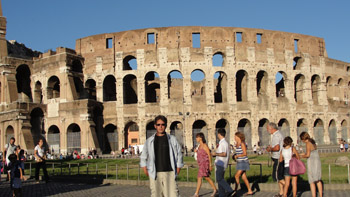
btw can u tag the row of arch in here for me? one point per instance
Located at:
(108, 136)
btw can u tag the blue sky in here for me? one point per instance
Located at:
(45, 24)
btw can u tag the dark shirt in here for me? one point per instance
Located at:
(162, 155)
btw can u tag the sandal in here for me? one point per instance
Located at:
(214, 193)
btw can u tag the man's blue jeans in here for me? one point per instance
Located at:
(223, 185)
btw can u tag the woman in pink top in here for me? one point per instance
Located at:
(204, 164)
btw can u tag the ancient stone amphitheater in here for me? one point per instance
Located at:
(106, 92)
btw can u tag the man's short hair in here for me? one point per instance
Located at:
(273, 125)
(222, 132)
(13, 138)
(161, 117)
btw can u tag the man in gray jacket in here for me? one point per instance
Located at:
(161, 160)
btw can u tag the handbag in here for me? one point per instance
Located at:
(296, 167)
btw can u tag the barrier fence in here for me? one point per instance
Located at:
(331, 173)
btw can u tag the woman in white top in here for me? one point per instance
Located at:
(288, 151)
(40, 157)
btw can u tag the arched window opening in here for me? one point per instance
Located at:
(244, 126)
(73, 138)
(37, 123)
(175, 85)
(176, 129)
(53, 139)
(150, 129)
(299, 88)
(77, 67)
(131, 134)
(152, 87)
(129, 63)
(280, 84)
(90, 88)
(10, 132)
(38, 95)
(130, 89)
(297, 63)
(332, 131)
(301, 127)
(23, 83)
(315, 88)
(109, 89)
(218, 59)
(330, 88)
(341, 90)
(283, 126)
(53, 88)
(261, 83)
(79, 88)
(111, 138)
(198, 95)
(222, 124)
(241, 86)
(220, 84)
(319, 131)
(197, 127)
(344, 130)
(264, 137)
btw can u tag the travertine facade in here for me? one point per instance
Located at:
(106, 92)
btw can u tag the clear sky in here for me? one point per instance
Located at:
(47, 24)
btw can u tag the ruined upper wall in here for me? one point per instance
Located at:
(218, 38)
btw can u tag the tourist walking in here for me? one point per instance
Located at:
(10, 148)
(242, 162)
(40, 158)
(313, 164)
(16, 175)
(161, 160)
(288, 151)
(222, 154)
(275, 148)
(204, 164)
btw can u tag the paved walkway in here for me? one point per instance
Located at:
(85, 190)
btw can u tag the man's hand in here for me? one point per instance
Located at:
(145, 171)
(178, 171)
(213, 153)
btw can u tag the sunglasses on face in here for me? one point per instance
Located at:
(158, 125)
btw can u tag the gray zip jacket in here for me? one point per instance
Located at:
(147, 157)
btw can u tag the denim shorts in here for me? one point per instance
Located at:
(242, 165)
(286, 171)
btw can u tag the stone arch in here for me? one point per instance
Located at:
(245, 126)
(319, 131)
(131, 134)
(73, 138)
(280, 80)
(90, 88)
(198, 90)
(79, 87)
(53, 87)
(297, 63)
(315, 88)
(332, 132)
(130, 63)
(220, 84)
(341, 89)
(175, 85)
(299, 88)
(111, 138)
(38, 93)
(241, 86)
(77, 66)
(344, 130)
(284, 127)
(9, 133)
(109, 88)
(218, 59)
(330, 87)
(197, 127)
(222, 124)
(301, 127)
(53, 139)
(152, 87)
(262, 90)
(37, 125)
(177, 130)
(150, 130)
(264, 137)
(130, 89)
(23, 83)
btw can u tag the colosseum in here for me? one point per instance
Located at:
(105, 93)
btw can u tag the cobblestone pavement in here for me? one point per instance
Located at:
(30, 188)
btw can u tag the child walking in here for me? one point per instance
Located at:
(15, 175)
